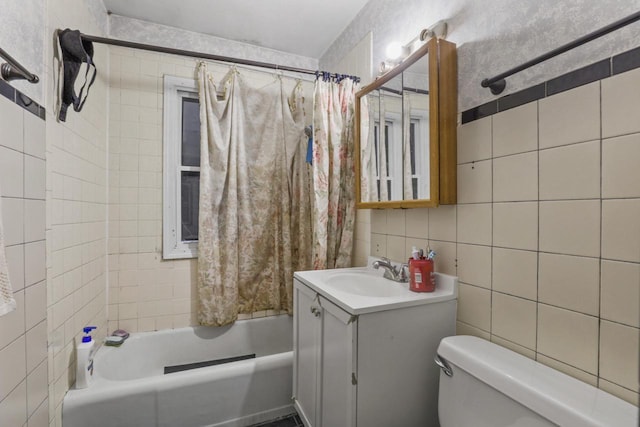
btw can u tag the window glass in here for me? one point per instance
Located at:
(190, 132)
(412, 153)
(181, 168)
(190, 191)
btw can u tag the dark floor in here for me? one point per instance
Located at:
(292, 420)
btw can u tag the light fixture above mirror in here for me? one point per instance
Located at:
(396, 52)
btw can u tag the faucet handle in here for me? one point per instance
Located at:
(403, 274)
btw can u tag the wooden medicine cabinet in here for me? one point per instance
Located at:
(406, 132)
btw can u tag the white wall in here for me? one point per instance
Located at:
(146, 32)
(494, 36)
(22, 35)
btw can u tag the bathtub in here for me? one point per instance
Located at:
(130, 388)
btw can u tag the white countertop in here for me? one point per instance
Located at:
(328, 283)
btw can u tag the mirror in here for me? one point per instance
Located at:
(398, 138)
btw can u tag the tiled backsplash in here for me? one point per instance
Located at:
(546, 235)
(23, 332)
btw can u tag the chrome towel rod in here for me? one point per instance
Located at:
(497, 83)
(13, 70)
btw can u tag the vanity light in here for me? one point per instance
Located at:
(395, 50)
(396, 53)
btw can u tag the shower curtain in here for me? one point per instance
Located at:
(255, 207)
(7, 302)
(369, 147)
(333, 172)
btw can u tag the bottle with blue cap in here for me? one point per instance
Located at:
(84, 358)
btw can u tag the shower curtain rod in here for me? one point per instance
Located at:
(181, 52)
(497, 83)
(13, 70)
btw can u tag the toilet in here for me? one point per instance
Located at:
(486, 385)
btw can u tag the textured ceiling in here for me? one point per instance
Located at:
(301, 27)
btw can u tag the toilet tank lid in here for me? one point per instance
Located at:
(553, 395)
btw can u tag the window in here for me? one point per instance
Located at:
(181, 174)
(419, 132)
(391, 174)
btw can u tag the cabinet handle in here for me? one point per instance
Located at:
(315, 311)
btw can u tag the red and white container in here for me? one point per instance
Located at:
(421, 277)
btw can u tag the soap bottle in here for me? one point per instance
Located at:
(84, 359)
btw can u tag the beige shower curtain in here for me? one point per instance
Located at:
(255, 209)
(333, 173)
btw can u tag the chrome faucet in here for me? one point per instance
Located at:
(392, 272)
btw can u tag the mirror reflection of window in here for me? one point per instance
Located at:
(416, 165)
(412, 147)
(388, 156)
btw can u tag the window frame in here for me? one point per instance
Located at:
(172, 245)
(393, 144)
(420, 118)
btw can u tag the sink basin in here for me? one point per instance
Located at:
(364, 284)
(359, 290)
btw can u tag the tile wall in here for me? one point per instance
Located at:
(145, 292)
(545, 237)
(23, 332)
(76, 198)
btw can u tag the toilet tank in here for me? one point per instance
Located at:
(491, 386)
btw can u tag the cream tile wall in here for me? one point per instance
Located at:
(76, 197)
(145, 292)
(546, 235)
(23, 332)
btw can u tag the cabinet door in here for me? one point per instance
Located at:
(338, 366)
(306, 348)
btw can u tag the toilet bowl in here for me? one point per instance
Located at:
(485, 385)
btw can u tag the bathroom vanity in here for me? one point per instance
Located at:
(364, 348)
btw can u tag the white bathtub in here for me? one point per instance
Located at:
(130, 388)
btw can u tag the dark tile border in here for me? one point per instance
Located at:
(522, 97)
(7, 91)
(626, 61)
(17, 97)
(608, 67)
(582, 76)
(484, 110)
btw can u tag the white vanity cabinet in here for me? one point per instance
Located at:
(325, 360)
(367, 364)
